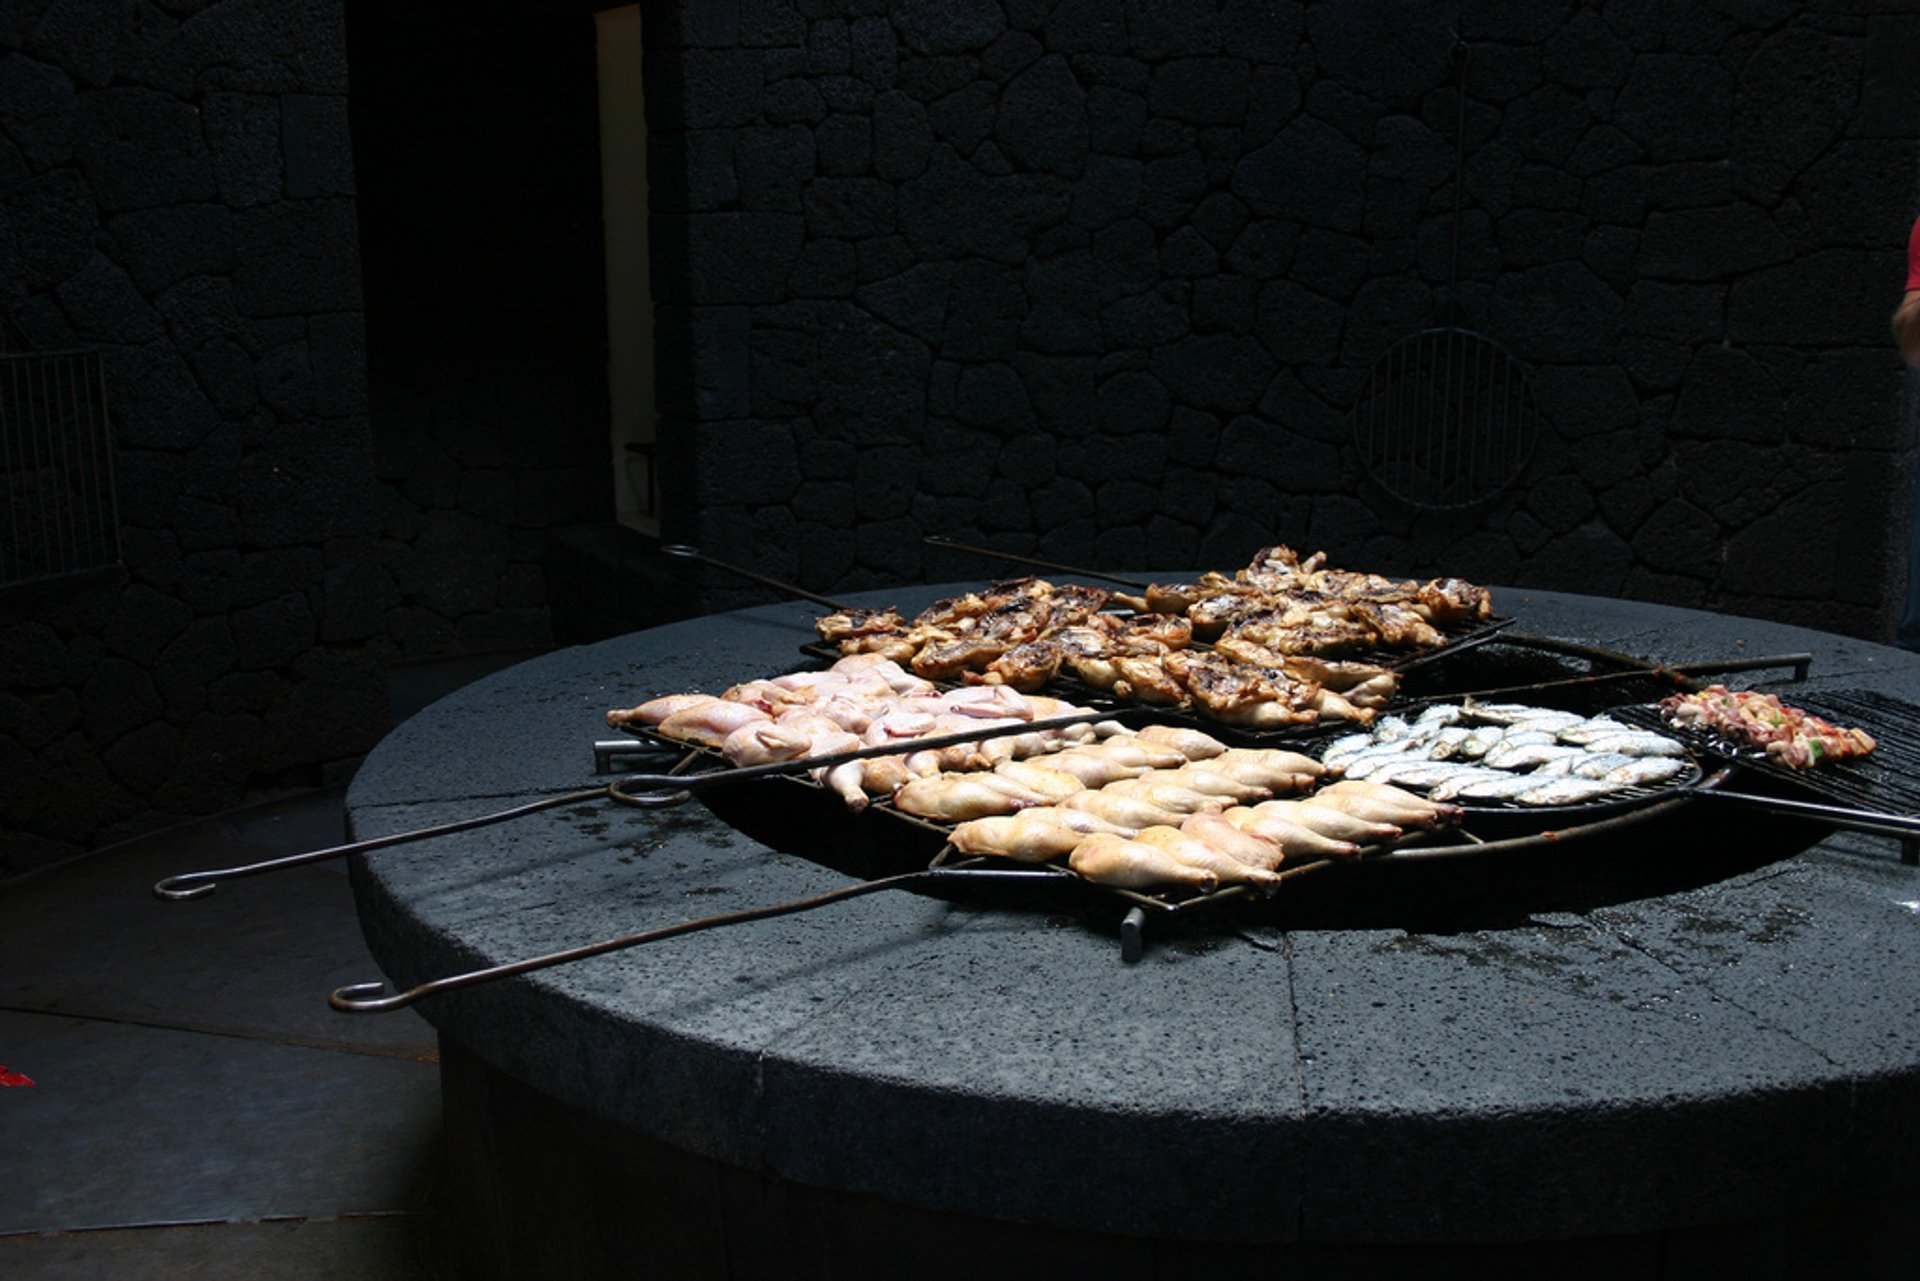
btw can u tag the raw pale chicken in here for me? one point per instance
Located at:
(1269, 768)
(1190, 743)
(1123, 811)
(1037, 835)
(1328, 821)
(963, 796)
(1093, 766)
(1035, 776)
(710, 722)
(1215, 830)
(1294, 839)
(1385, 803)
(763, 742)
(1115, 860)
(1198, 853)
(655, 710)
(1201, 779)
(1169, 796)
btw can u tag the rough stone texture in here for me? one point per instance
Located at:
(477, 158)
(1685, 220)
(1616, 1035)
(177, 191)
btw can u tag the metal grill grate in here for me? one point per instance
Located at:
(1446, 420)
(57, 454)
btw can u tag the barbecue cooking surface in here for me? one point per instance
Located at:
(1886, 780)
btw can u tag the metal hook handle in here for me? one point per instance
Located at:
(366, 998)
(192, 885)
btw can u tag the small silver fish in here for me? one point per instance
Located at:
(1584, 732)
(1645, 771)
(1391, 729)
(1597, 764)
(1503, 713)
(1445, 744)
(1480, 741)
(1421, 775)
(1527, 755)
(1568, 791)
(1552, 722)
(1365, 763)
(1460, 786)
(1638, 743)
(1498, 786)
(1345, 748)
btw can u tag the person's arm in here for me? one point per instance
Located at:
(1906, 327)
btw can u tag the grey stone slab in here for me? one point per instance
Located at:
(1819, 948)
(374, 1248)
(134, 1125)
(1566, 1070)
(963, 1077)
(666, 1022)
(1420, 1066)
(256, 958)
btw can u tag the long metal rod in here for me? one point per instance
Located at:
(684, 552)
(191, 885)
(1680, 673)
(1839, 815)
(363, 998)
(941, 540)
(647, 791)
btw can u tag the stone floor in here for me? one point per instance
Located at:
(195, 1109)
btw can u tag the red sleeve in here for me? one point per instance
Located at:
(1913, 257)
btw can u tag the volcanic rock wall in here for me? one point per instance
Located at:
(178, 195)
(1103, 280)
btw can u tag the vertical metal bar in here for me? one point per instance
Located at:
(41, 441)
(103, 444)
(69, 474)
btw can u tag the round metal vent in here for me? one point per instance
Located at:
(1445, 419)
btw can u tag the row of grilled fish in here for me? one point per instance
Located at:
(1508, 752)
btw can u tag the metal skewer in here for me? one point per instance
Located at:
(1681, 674)
(645, 791)
(363, 998)
(1907, 825)
(684, 552)
(941, 540)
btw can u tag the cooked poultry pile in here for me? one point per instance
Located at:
(1790, 736)
(1285, 605)
(1169, 805)
(862, 701)
(1280, 625)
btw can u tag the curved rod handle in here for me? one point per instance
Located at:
(651, 790)
(685, 552)
(365, 998)
(941, 540)
(191, 885)
(643, 791)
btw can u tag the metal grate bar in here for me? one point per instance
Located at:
(57, 451)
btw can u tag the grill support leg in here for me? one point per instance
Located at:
(1132, 934)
